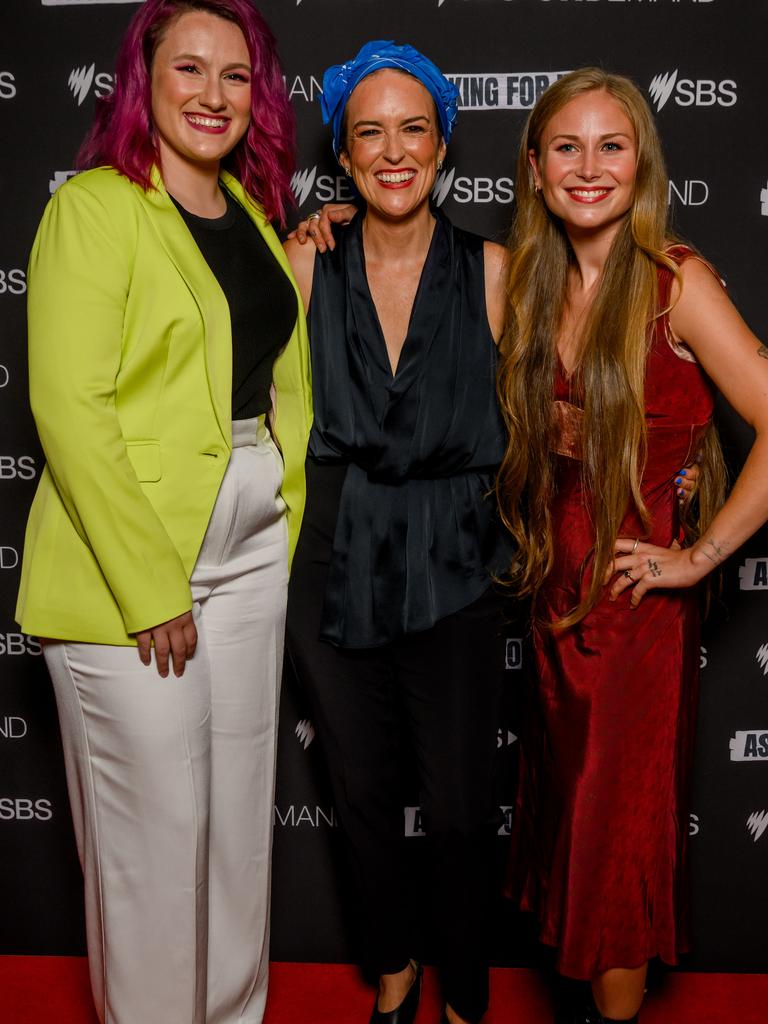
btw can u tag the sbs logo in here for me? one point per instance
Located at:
(13, 282)
(15, 644)
(471, 190)
(305, 732)
(4, 376)
(325, 188)
(22, 809)
(757, 824)
(7, 85)
(21, 468)
(689, 92)
(762, 658)
(81, 80)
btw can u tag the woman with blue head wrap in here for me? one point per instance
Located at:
(394, 626)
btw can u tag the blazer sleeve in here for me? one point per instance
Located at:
(79, 277)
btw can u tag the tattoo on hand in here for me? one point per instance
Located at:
(653, 566)
(763, 351)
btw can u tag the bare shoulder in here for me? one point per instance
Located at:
(697, 278)
(302, 260)
(496, 261)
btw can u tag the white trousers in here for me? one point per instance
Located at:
(171, 781)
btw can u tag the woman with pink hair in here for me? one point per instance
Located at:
(168, 360)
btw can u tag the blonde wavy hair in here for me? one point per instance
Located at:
(613, 349)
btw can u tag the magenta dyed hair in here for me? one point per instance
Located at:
(122, 137)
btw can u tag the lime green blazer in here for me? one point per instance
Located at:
(130, 366)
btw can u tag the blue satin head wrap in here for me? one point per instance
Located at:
(340, 80)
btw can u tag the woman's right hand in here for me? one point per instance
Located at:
(176, 638)
(319, 229)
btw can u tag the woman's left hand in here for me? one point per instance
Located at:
(647, 567)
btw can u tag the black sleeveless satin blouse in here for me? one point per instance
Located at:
(417, 534)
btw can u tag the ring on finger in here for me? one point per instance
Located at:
(315, 215)
(634, 546)
(629, 576)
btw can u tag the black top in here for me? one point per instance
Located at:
(262, 303)
(417, 534)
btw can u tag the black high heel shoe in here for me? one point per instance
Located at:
(405, 1013)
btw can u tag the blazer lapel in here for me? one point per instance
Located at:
(181, 248)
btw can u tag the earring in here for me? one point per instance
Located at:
(536, 189)
(439, 165)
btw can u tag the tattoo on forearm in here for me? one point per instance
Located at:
(714, 552)
(763, 351)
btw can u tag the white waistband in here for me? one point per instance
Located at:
(252, 431)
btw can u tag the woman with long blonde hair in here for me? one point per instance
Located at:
(616, 340)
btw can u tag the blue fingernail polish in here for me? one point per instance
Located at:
(683, 472)
(680, 491)
(679, 480)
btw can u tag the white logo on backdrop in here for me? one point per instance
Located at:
(753, 575)
(4, 376)
(414, 821)
(21, 468)
(323, 188)
(749, 745)
(9, 557)
(507, 741)
(58, 179)
(22, 809)
(694, 825)
(762, 658)
(302, 182)
(471, 190)
(308, 91)
(296, 815)
(13, 645)
(12, 728)
(7, 85)
(757, 824)
(764, 201)
(513, 655)
(13, 281)
(502, 91)
(81, 79)
(305, 732)
(689, 92)
(691, 192)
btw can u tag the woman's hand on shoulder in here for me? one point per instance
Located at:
(496, 259)
(320, 228)
(174, 640)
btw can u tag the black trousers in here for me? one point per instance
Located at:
(441, 690)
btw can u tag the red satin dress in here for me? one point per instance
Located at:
(602, 815)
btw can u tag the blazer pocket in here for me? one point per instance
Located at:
(144, 456)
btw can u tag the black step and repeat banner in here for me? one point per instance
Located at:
(701, 64)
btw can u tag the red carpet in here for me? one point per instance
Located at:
(54, 990)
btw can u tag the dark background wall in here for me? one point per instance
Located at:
(702, 64)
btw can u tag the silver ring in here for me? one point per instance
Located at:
(314, 215)
(629, 575)
(634, 546)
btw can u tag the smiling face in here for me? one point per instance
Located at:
(393, 142)
(201, 90)
(587, 163)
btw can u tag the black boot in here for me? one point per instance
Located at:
(405, 1013)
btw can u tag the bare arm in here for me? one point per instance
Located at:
(302, 260)
(706, 320)
(496, 264)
